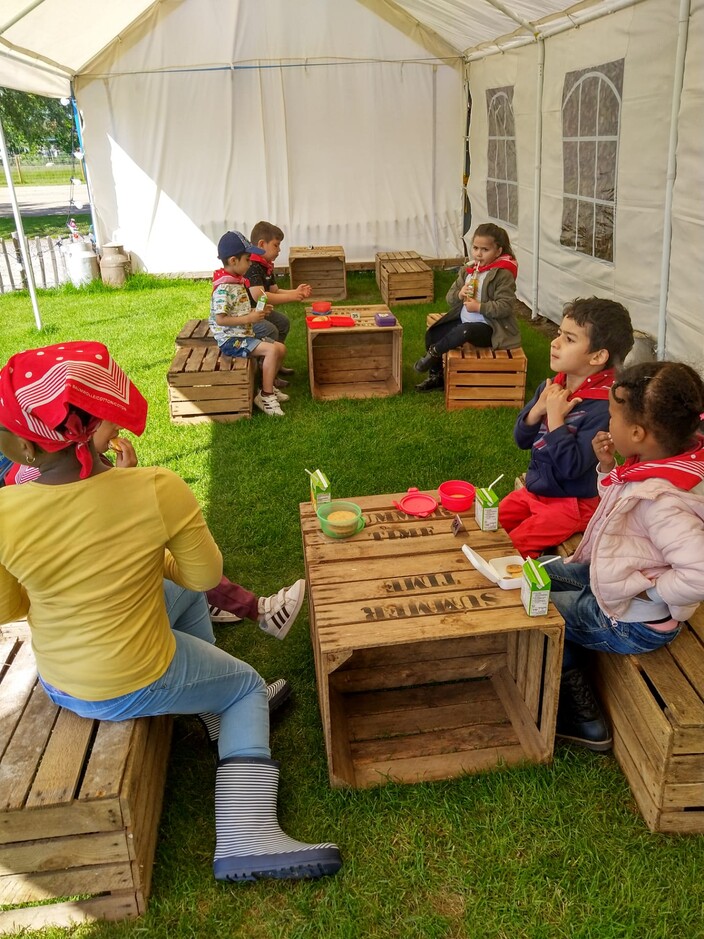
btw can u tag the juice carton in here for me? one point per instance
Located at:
(486, 509)
(319, 488)
(535, 588)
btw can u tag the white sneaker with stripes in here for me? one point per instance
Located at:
(278, 612)
(268, 404)
(222, 616)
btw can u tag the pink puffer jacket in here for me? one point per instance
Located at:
(642, 535)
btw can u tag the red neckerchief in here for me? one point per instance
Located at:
(505, 261)
(267, 265)
(686, 470)
(594, 388)
(221, 276)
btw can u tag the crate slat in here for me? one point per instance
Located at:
(203, 384)
(322, 267)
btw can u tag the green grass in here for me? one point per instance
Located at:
(54, 225)
(533, 852)
(39, 174)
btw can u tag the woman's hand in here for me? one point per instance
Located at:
(604, 450)
(125, 455)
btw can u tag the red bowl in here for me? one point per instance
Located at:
(321, 306)
(456, 495)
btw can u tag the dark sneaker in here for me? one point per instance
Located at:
(428, 360)
(431, 383)
(281, 383)
(579, 718)
(285, 370)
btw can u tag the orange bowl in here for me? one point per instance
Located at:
(456, 495)
(321, 306)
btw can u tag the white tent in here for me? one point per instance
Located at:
(345, 123)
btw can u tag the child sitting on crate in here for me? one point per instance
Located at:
(481, 300)
(232, 318)
(639, 570)
(261, 279)
(558, 424)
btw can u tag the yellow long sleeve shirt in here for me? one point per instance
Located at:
(85, 563)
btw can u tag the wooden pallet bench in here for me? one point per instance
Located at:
(322, 267)
(483, 378)
(205, 385)
(195, 333)
(403, 277)
(80, 802)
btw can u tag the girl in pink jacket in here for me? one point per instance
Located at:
(639, 570)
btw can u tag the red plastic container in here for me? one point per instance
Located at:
(321, 306)
(456, 495)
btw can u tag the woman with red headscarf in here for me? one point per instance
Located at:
(111, 638)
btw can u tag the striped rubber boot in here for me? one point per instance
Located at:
(250, 844)
(276, 693)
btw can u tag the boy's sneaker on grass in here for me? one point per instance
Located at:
(281, 395)
(281, 383)
(222, 616)
(268, 404)
(278, 612)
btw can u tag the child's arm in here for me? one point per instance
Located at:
(502, 300)
(452, 297)
(568, 449)
(254, 316)
(604, 451)
(275, 295)
(528, 421)
(676, 529)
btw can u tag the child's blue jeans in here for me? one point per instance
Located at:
(587, 625)
(201, 678)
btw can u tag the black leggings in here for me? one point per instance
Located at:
(452, 335)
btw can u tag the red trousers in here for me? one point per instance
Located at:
(234, 599)
(535, 523)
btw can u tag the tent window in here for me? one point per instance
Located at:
(591, 119)
(502, 172)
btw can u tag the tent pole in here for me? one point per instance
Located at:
(538, 178)
(671, 174)
(20, 228)
(79, 135)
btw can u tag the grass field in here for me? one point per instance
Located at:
(45, 173)
(42, 225)
(527, 853)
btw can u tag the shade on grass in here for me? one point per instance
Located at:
(532, 852)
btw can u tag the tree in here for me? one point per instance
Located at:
(32, 122)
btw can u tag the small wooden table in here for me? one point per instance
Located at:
(425, 669)
(361, 361)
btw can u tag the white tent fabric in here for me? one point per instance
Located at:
(344, 123)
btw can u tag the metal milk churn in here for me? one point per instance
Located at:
(114, 265)
(81, 263)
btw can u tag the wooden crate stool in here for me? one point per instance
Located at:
(323, 268)
(655, 703)
(80, 802)
(205, 385)
(403, 277)
(483, 378)
(195, 333)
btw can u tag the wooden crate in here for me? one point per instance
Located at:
(655, 703)
(403, 278)
(195, 333)
(205, 385)
(323, 268)
(425, 669)
(80, 802)
(362, 361)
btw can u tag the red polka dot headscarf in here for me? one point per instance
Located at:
(38, 386)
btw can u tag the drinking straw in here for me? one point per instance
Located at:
(498, 478)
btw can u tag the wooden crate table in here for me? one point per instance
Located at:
(195, 333)
(361, 361)
(425, 669)
(322, 267)
(483, 378)
(80, 802)
(403, 277)
(205, 385)
(655, 704)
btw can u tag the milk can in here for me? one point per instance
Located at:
(81, 263)
(114, 265)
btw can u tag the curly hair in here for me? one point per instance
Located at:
(608, 325)
(666, 398)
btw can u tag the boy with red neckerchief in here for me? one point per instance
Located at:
(558, 425)
(267, 238)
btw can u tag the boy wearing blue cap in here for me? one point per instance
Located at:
(232, 317)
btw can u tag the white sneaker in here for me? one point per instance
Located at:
(281, 395)
(222, 616)
(268, 404)
(278, 612)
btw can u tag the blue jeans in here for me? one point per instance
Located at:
(587, 625)
(200, 678)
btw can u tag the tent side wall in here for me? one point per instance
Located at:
(361, 147)
(644, 37)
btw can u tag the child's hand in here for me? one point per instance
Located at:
(604, 450)
(257, 315)
(539, 409)
(557, 407)
(125, 455)
(303, 291)
(472, 305)
(268, 308)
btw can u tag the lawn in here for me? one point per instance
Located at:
(42, 225)
(527, 853)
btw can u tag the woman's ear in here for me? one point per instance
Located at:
(29, 451)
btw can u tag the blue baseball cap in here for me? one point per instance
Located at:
(233, 243)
